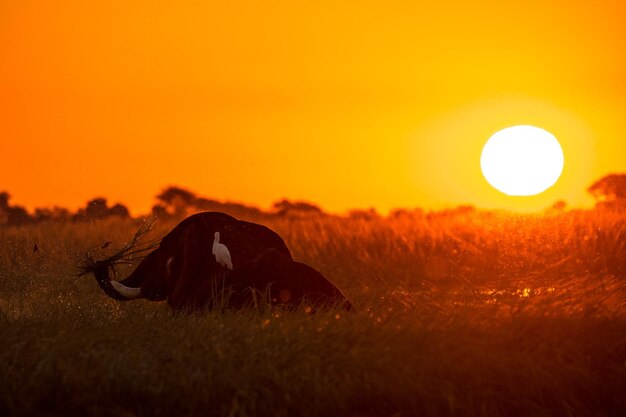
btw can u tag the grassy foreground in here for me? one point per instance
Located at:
(463, 313)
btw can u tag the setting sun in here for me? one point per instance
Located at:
(522, 160)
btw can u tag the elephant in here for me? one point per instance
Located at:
(184, 271)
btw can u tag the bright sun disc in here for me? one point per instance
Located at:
(522, 160)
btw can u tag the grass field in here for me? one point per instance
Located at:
(460, 313)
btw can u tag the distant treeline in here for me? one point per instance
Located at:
(173, 202)
(176, 202)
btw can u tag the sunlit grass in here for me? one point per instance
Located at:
(469, 313)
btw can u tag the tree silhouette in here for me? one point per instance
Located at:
(119, 210)
(98, 208)
(174, 201)
(360, 214)
(18, 215)
(557, 207)
(173, 194)
(4, 207)
(298, 208)
(12, 215)
(610, 191)
(54, 213)
(4, 200)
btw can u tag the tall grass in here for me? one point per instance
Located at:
(464, 313)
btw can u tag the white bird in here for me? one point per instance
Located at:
(221, 252)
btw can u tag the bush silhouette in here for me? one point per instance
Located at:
(610, 191)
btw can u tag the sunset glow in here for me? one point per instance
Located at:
(353, 104)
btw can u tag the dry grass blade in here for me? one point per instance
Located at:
(132, 252)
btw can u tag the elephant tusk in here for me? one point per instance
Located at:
(127, 292)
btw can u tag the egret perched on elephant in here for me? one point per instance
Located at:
(221, 253)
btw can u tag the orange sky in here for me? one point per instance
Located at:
(344, 103)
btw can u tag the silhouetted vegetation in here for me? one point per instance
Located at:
(95, 209)
(12, 215)
(558, 206)
(369, 214)
(296, 208)
(178, 203)
(175, 203)
(52, 214)
(610, 192)
(98, 208)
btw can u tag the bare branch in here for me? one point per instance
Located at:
(127, 254)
